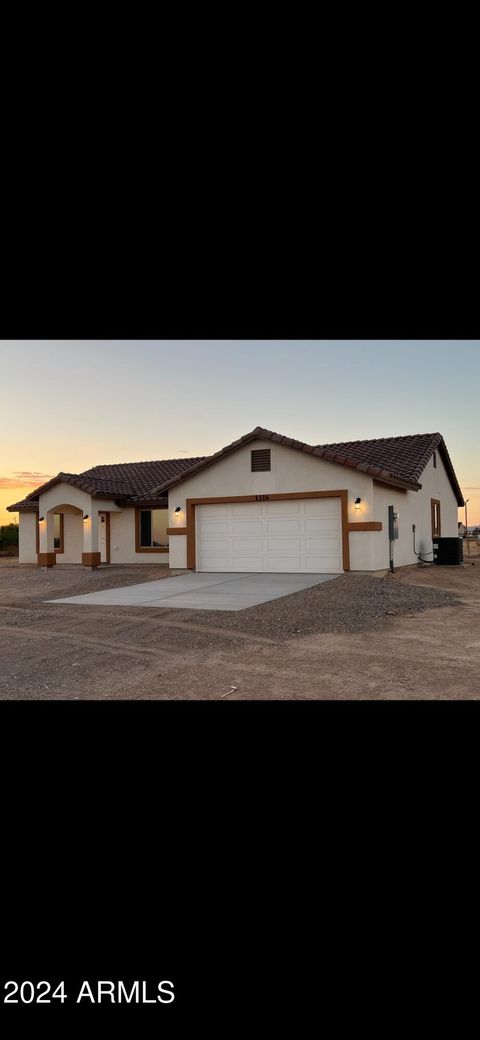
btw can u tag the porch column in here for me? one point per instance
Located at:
(46, 541)
(91, 554)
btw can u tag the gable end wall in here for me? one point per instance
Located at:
(415, 508)
(291, 471)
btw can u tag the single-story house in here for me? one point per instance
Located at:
(461, 529)
(264, 503)
(107, 514)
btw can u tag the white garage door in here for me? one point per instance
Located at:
(301, 535)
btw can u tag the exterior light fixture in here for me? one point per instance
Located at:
(41, 519)
(357, 503)
(178, 510)
(85, 517)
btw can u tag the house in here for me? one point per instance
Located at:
(461, 530)
(107, 514)
(264, 503)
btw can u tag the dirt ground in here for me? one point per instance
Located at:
(412, 635)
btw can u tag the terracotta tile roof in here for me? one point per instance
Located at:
(398, 458)
(398, 461)
(402, 457)
(129, 482)
(136, 480)
(24, 506)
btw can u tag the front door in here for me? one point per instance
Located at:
(103, 537)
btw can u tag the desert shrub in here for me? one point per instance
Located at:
(8, 536)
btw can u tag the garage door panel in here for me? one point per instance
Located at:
(247, 526)
(212, 530)
(303, 535)
(284, 508)
(323, 546)
(284, 564)
(248, 509)
(245, 563)
(323, 524)
(214, 546)
(282, 524)
(215, 563)
(323, 564)
(214, 512)
(283, 545)
(252, 546)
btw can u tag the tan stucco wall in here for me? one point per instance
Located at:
(122, 541)
(291, 471)
(414, 507)
(296, 471)
(73, 538)
(65, 494)
(27, 538)
(62, 497)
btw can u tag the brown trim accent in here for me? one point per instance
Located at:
(47, 559)
(436, 502)
(177, 530)
(372, 525)
(37, 536)
(91, 559)
(140, 548)
(220, 500)
(61, 548)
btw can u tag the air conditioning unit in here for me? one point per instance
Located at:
(448, 551)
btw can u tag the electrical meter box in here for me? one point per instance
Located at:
(393, 518)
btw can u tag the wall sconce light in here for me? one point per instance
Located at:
(357, 503)
(85, 517)
(41, 519)
(178, 510)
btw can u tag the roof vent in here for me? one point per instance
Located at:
(261, 460)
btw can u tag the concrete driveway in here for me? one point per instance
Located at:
(203, 591)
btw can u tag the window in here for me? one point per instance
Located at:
(436, 520)
(261, 460)
(151, 530)
(58, 532)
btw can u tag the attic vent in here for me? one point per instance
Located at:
(261, 460)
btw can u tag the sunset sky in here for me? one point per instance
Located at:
(69, 405)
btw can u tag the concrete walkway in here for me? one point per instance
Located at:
(203, 591)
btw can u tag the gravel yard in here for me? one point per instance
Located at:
(414, 634)
(350, 603)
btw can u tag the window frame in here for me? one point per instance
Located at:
(61, 548)
(435, 504)
(139, 548)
